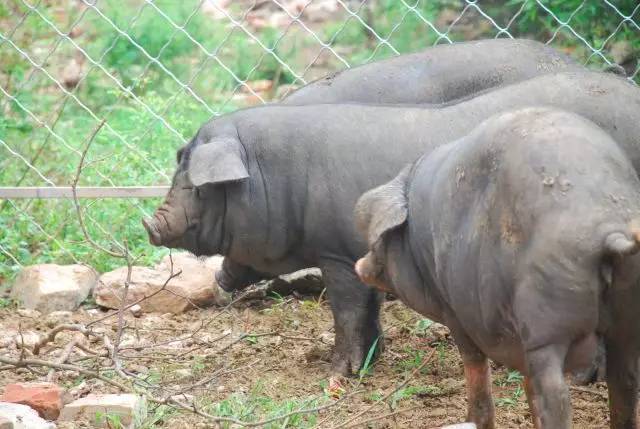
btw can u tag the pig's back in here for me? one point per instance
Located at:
(525, 194)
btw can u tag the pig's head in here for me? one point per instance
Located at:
(193, 212)
(379, 214)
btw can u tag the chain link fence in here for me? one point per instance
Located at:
(154, 70)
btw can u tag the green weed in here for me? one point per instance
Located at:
(512, 383)
(254, 406)
(368, 362)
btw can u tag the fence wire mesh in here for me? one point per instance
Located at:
(154, 70)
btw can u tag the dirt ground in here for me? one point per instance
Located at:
(266, 357)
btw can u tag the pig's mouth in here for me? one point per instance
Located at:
(152, 229)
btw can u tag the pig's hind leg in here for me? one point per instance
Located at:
(547, 391)
(477, 373)
(622, 343)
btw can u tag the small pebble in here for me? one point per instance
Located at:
(136, 310)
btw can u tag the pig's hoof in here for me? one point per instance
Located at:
(350, 362)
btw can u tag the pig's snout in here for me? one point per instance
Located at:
(370, 273)
(151, 225)
(367, 271)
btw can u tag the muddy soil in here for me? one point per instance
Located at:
(266, 357)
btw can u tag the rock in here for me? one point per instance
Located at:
(216, 9)
(257, 86)
(320, 11)
(307, 281)
(80, 390)
(327, 337)
(45, 398)
(50, 287)
(31, 314)
(131, 410)
(244, 99)
(28, 338)
(22, 417)
(5, 423)
(93, 312)
(460, 426)
(439, 332)
(73, 72)
(58, 317)
(7, 339)
(136, 310)
(196, 285)
(284, 90)
(621, 51)
(130, 341)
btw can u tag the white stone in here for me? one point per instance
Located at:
(31, 314)
(327, 337)
(28, 338)
(196, 285)
(460, 426)
(23, 417)
(7, 340)
(50, 287)
(133, 342)
(136, 310)
(130, 409)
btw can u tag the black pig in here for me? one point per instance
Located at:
(519, 237)
(273, 187)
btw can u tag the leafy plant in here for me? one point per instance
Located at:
(513, 383)
(111, 420)
(367, 365)
(421, 327)
(254, 406)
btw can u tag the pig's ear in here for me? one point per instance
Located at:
(383, 208)
(179, 154)
(218, 161)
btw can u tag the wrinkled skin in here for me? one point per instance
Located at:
(520, 237)
(280, 194)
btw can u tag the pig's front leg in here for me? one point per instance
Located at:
(233, 276)
(356, 309)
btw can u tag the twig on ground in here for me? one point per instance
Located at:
(594, 392)
(382, 416)
(388, 395)
(66, 352)
(51, 335)
(25, 363)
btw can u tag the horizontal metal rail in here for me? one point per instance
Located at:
(42, 192)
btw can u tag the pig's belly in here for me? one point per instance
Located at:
(509, 352)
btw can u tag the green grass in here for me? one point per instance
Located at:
(136, 147)
(513, 392)
(256, 406)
